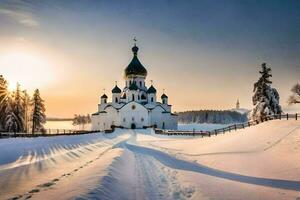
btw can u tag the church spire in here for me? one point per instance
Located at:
(135, 49)
(135, 68)
(237, 104)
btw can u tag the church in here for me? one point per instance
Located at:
(136, 106)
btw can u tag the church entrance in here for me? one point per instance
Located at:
(133, 126)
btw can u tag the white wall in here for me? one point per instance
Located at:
(133, 115)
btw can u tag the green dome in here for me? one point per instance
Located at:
(104, 96)
(151, 89)
(135, 67)
(116, 90)
(133, 86)
(163, 96)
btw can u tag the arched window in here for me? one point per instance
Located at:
(141, 84)
(105, 101)
(132, 97)
(152, 99)
(116, 99)
(129, 83)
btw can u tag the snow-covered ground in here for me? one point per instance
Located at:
(260, 162)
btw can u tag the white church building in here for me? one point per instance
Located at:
(136, 106)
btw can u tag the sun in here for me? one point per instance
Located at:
(31, 71)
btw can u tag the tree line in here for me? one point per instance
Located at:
(81, 120)
(19, 112)
(211, 116)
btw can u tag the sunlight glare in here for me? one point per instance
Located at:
(30, 70)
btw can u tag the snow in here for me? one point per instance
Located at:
(201, 127)
(260, 162)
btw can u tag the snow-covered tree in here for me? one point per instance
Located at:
(265, 98)
(26, 108)
(18, 106)
(295, 97)
(12, 122)
(38, 112)
(81, 120)
(3, 100)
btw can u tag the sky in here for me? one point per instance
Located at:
(206, 54)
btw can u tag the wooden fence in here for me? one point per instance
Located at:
(230, 128)
(46, 133)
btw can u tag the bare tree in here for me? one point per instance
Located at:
(295, 97)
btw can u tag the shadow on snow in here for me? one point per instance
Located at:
(175, 163)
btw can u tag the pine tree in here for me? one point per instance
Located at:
(38, 112)
(26, 107)
(3, 100)
(266, 98)
(12, 123)
(18, 107)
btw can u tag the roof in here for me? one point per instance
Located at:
(151, 89)
(116, 89)
(124, 104)
(104, 96)
(163, 96)
(135, 67)
(133, 86)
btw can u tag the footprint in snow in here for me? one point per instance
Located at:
(34, 191)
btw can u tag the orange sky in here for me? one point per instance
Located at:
(71, 52)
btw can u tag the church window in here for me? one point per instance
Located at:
(129, 82)
(152, 99)
(132, 97)
(141, 83)
(116, 99)
(132, 118)
(124, 119)
(142, 119)
(105, 101)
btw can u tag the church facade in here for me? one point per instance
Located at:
(136, 106)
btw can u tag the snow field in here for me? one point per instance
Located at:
(260, 162)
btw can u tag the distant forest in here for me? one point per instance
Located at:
(211, 116)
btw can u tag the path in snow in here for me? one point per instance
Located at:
(135, 175)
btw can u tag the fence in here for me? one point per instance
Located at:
(46, 133)
(228, 128)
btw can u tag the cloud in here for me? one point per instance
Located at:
(19, 12)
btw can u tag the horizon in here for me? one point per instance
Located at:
(205, 55)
